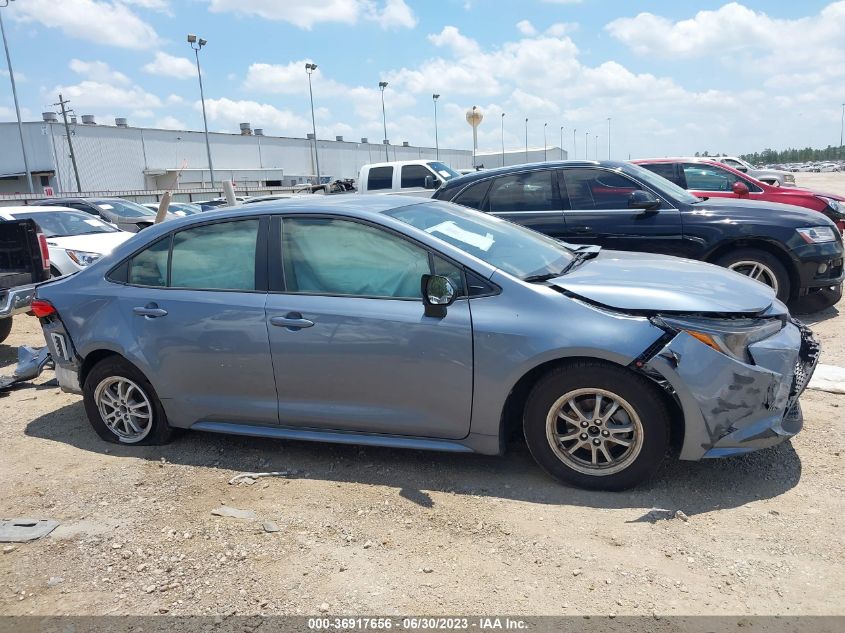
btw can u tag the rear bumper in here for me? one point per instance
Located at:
(731, 407)
(16, 300)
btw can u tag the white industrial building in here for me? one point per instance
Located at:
(122, 158)
(489, 160)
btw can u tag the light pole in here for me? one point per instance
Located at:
(5, 3)
(608, 137)
(309, 69)
(196, 44)
(434, 98)
(545, 143)
(561, 142)
(597, 146)
(526, 139)
(382, 85)
(503, 139)
(841, 124)
(574, 149)
(586, 150)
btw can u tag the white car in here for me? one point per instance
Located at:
(75, 239)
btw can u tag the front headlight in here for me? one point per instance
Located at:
(837, 207)
(729, 336)
(83, 258)
(818, 234)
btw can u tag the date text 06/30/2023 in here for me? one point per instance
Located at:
(486, 623)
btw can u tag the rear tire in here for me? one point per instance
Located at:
(614, 437)
(765, 267)
(122, 405)
(5, 328)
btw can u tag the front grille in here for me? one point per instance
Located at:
(808, 358)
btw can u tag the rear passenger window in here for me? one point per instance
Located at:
(414, 175)
(473, 196)
(149, 267)
(215, 256)
(380, 178)
(597, 189)
(530, 191)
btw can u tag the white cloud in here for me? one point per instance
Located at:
(19, 76)
(526, 28)
(98, 71)
(174, 99)
(103, 87)
(110, 23)
(563, 1)
(388, 14)
(154, 5)
(261, 115)
(171, 66)
(170, 123)
(280, 79)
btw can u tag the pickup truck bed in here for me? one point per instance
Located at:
(23, 264)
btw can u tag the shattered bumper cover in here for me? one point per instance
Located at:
(732, 407)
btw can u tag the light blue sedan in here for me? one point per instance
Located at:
(403, 322)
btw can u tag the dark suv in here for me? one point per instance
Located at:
(625, 207)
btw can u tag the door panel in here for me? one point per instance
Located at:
(373, 365)
(209, 356)
(597, 213)
(529, 198)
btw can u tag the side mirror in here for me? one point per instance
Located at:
(431, 182)
(742, 168)
(645, 200)
(740, 189)
(438, 293)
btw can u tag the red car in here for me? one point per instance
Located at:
(709, 179)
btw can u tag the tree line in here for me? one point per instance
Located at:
(791, 155)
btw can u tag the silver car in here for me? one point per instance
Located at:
(394, 321)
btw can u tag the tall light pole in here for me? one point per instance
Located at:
(586, 150)
(561, 142)
(196, 44)
(382, 85)
(574, 149)
(526, 139)
(309, 69)
(434, 98)
(608, 137)
(503, 139)
(597, 146)
(545, 143)
(841, 124)
(5, 3)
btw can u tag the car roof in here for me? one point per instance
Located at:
(34, 209)
(510, 169)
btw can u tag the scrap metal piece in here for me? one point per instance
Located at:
(31, 362)
(23, 530)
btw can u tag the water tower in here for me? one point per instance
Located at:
(474, 118)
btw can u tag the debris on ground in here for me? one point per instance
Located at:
(31, 362)
(249, 478)
(235, 513)
(828, 378)
(23, 530)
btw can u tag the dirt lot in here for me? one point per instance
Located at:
(400, 532)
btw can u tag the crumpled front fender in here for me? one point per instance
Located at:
(731, 407)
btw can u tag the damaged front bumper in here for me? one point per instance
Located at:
(731, 407)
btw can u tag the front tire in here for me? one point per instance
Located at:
(759, 265)
(596, 425)
(122, 405)
(5, 328)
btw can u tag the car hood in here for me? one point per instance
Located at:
(798, 191)
(737, 209)
(102, 243)
(642, 282)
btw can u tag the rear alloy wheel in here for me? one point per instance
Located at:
(760, 266)
(597, 425)
(122, 405)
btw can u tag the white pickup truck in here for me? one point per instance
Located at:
(410, 177)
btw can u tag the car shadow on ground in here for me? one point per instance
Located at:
(818, 317)
(693, 487)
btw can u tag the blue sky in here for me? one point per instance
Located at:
(675, 77)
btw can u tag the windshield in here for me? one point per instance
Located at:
(185, 208)
(660, 184)
(515, 249)
(443, 170)
(124, 208)
(66, 223)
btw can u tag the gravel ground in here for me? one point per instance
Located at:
(367, 531)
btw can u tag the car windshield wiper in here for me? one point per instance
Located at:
(581, 255)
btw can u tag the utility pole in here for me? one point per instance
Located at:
(15, 96)
(62, 104)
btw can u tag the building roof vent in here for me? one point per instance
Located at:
(73, 119)
(338, 138)
(364, 139)
(88, 119)
(121, 122)
(309, 136)
(258, 131)
(50, 117)
(405, 144)
(246, 129)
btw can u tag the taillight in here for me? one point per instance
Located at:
(42, 308)
(45, 251)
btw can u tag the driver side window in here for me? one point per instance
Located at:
(597, 189)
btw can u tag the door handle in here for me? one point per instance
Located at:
(292, 321)
(150, 311)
